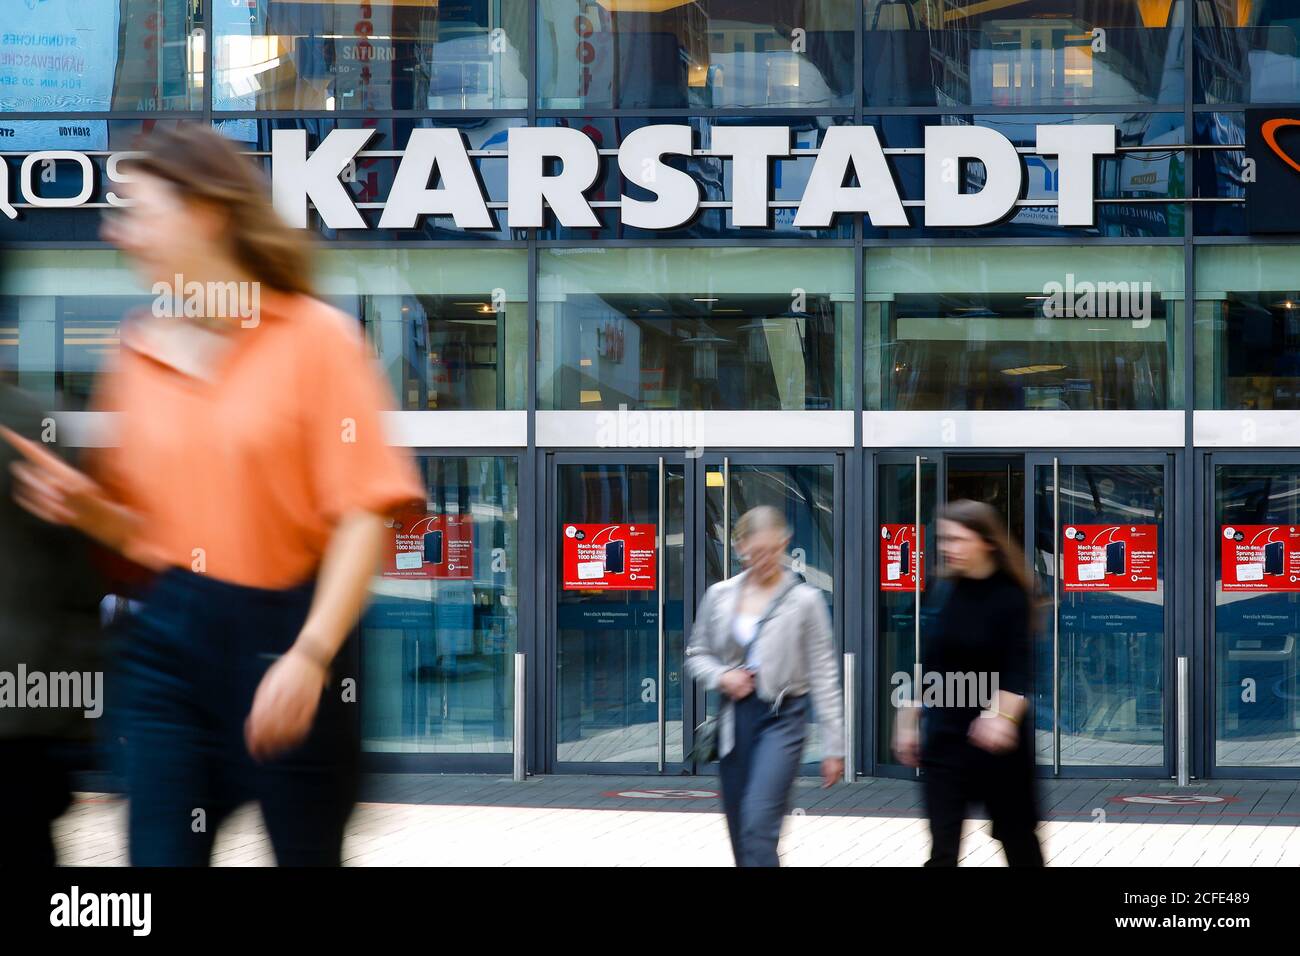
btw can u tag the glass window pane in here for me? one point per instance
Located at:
(1147, 172)
(1220, 174)
(1032, 53)
(1248, 327)
(387, 54)
(438, 640)
(1058, 327)
(711, 328)
(1247, 52)
(629, 54)
(448, 325)
(91, 57)
(59, 316)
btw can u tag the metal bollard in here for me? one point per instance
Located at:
(1184, 723)
(850, 716)
(520, 743)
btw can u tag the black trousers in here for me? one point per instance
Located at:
(191, 662)
(1004, 784)
(36, 792)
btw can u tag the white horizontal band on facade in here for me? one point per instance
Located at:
(445, 429)
(1246, 429)
(1024, 429)
(458, 429)
(630, 430)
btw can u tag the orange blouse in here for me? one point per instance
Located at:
(244, 474)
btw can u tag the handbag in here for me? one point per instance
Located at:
(705, 749)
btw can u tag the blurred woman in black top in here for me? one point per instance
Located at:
(974, 743)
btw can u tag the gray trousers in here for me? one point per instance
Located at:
(758, 775)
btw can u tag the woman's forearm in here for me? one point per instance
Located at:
(343, 586)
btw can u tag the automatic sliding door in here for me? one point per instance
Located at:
(618, 675)
(1255, 546)
(806, 490)
(1102, 647)
(906, 486)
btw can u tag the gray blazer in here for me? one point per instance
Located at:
(798, 656)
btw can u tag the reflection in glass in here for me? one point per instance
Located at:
(1055, 328)
(694, 328)
(608, 640)
(91, 57)
(59, 316)
(1247, 52)
(1148, 167)
(628, 54)
(1257, 720)
(388, 54)
(448, 325)
(1248, 328)
(1028, 53)
(1112, 659)
(437, 648)
(805, 495)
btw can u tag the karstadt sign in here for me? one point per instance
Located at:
(556, 166)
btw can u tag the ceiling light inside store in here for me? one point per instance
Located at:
(1032, 369)
(643, 6)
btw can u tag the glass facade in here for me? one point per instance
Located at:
(728, 328)
(1140, 370)
(1040, 327)
(437, 652)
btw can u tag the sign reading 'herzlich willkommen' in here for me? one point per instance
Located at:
(556, 166)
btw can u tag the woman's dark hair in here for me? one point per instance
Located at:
(985, 521)
(206, 167)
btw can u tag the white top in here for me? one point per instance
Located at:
(745, 630)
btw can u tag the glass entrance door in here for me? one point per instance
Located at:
(1098, 529)
(635, 539)
(911, 488)
(617, 578)
(807, 490)
(1254, 546)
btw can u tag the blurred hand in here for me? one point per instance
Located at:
(737, 683)
(53, 490)
(284, 706)
(832, 771)
(997, 735)
(907, 738)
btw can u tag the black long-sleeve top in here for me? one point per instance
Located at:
(981, 628)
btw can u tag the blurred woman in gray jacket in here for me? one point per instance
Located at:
(763, 638)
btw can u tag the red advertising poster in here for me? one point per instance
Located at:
(1261, 557)
(609, 557)
(428, 547)
(1109, 557)
(902, 557)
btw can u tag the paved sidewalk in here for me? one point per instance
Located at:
(474, 820)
